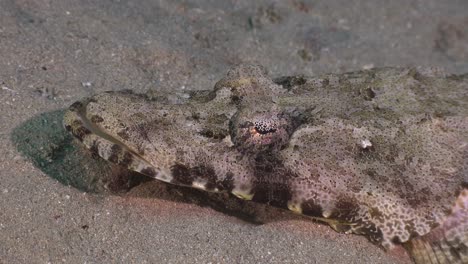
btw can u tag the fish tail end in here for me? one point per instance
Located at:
(448, 243)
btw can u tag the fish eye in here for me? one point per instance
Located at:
(261, 132)
(265, 126)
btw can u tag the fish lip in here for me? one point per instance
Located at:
(79, 109)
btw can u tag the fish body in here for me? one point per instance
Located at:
(381, 152)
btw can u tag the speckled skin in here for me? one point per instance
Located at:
(382, 152)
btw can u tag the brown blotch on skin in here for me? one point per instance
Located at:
(345, 208)
(267, 164)
(462, 249)
(149, 171)
(181, 174)
(186, 176)
(141, 149)
(371, 231)
(96, 119)
(275, 194)
(271, 184)
(94, 149)
(373, 174)
(77, 123)
(115, 152)
(204, 172)
(227, 183)
(311, 208)
(127, 159)
(123, 134)
(414, 202)
(79, 130)
(376, 213)
(463, 185)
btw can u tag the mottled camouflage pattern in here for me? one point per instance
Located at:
(382, 152)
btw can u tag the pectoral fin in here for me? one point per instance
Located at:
(447, 243)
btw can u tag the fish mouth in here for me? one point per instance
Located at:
(81, 127)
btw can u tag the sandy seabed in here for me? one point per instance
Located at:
(59, 204)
